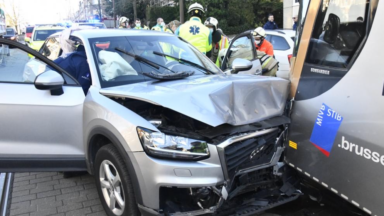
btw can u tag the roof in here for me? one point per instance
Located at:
(289, 33)
(96, 33)
(46, 27)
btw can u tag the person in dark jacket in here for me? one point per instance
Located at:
(76, 64)
(294, 23)
(270, 25)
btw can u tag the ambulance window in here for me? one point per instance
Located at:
(339, 29)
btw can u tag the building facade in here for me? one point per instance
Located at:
(291, 8)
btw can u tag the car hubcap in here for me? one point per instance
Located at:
(111, 187)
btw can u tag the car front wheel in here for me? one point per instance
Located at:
(114, 184)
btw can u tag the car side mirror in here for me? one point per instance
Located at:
(331, 28)
(241, 65)
(50, 80)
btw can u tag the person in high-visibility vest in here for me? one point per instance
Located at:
(219, 40)
(173, 25)
(195, 32)
(139, 26)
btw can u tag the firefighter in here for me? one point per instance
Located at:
(219, 40)
(123, 22)
(195, 32)
(261, 43)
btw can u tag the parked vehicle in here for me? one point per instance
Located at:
(40, 34)
(283, 43)
(28, 32)
(161, 128)
(11, 34)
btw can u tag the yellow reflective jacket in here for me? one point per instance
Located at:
(223, 44)
(197, 34)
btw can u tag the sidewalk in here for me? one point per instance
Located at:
(43, 194)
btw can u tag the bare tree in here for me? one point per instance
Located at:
(13, 13)
(134, 9)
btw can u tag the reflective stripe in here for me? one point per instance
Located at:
(223, 40)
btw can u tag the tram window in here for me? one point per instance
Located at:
(339, 29)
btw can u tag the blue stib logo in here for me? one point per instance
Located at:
(325, 129)
(194, 30)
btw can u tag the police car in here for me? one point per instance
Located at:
(162, 129)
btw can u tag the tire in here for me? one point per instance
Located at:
(108, 160)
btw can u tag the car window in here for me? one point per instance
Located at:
(338, 32)
(279, 43)
(41, 35)
(268, 37)
(241, 48)
(116, 68)
(51, 48)
(18, 67)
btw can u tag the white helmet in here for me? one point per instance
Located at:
(211, 21)
(196, 6)
(259, 31)
(123, 19)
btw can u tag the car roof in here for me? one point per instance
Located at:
(282, 32)
(46, 27)
(90, 33)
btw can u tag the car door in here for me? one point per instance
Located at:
(40, 130)
(242, 46)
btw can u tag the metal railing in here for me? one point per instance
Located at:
(5, 190)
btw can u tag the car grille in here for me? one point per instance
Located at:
(250, 153)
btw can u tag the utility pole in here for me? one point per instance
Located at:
(114, 15)
(100, 11)
(181, 8)
(85, 9)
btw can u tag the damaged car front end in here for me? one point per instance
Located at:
(218, 146)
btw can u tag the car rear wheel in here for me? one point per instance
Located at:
(114, 184)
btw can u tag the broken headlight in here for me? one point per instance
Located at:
(158, 144)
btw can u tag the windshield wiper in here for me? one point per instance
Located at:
(158, 75)
(184, 60)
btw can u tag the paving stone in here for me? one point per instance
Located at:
(20, 204)
(78, 199)
(65, 185)
(21, 183)
(92, 202)
(21, 174)
(46, 174)
(97, 208)
(20, 193)
(101, 213)
(23, 198)
(48, 183)
(43, 201)
(48, 193)
(23, 210)
(67, 208)
(24, 187)
(72, 189)
(24, 178)
(67, 196)
(80, 212)
(38, 180)
(40, 189)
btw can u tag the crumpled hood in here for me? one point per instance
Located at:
(214, 100)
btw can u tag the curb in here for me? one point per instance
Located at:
(6, 182)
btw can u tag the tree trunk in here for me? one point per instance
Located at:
(181, 8)
(134, 9)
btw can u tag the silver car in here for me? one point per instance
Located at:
(162, 129)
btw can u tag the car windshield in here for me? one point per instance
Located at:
(29, 29)
(41, 35)
(117, 68)
(98, 25)
(10, 32)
